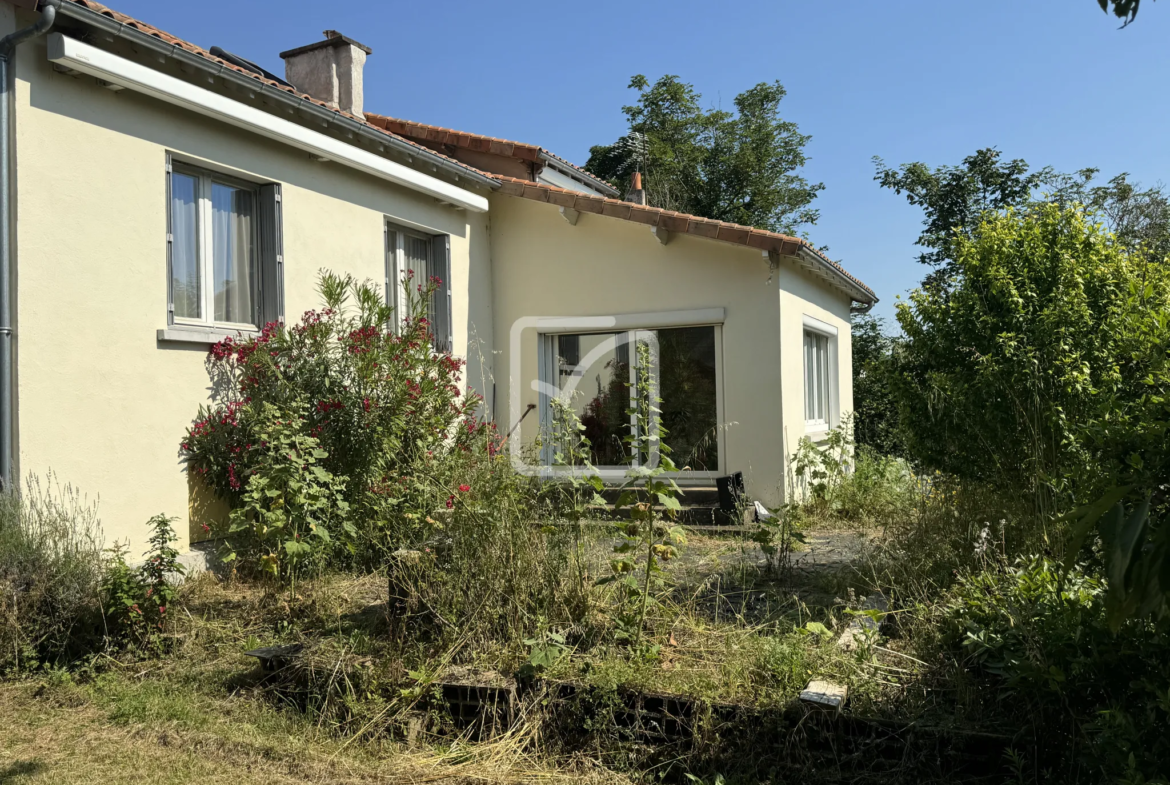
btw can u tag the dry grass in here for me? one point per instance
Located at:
(127, 732)
(727, 630)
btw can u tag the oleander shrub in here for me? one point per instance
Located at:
(51, 565)
(319, 428)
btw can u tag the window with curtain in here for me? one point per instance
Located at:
(412, 259)
(213, 250)
(816, 378)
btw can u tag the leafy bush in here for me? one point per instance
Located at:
(953, 528)
(136, 599)
(319, 428)
(839, 480)
(1041, 640)
(878, 490)
(820, 469)
(50, 575)
(1016, 371)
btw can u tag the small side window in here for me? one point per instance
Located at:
(420, 257)
(817, 381)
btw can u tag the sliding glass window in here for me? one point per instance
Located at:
(595, 374)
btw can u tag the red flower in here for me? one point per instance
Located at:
(464, 488)
(450, 501)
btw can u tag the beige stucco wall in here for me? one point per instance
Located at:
(100, 401)
(544, 267)
(801, 296)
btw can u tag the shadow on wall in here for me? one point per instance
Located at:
(206, 512)
(140, 117)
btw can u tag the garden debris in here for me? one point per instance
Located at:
(274, 658)
(865, 626)
(824, 693)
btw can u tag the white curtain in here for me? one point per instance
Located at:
(185, 279)
(233, 253)
(416, 254)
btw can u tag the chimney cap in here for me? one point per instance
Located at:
(332, 38)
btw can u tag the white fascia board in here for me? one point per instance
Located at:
(74, 54)
(628, 321)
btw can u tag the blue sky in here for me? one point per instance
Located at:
(1052, 81)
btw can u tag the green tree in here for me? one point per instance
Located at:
(875, 408)
(1030, 368)
(737, 166)
(1122, 9)
(955, 198)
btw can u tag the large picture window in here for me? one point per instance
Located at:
(596, 373)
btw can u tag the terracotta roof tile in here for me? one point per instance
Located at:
(562, 198)
(704, 228)
(680, 223)
(440, 135)
(674, 222)
(470, 141)
(614, 209)
(587, 203)
(644, 215)
(730, 233)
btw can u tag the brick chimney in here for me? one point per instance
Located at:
(330, 71)
(636, 194)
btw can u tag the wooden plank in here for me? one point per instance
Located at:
(825, 693)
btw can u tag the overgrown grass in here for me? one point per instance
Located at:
(125, 728)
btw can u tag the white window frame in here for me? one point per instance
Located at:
(396, 268)
(633, 325)
(438, 264)
(828, 388)
(206, 242)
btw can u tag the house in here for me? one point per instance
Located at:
(163, 196)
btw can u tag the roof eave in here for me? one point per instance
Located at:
(578, 174)
(119, 29)
(835, 274)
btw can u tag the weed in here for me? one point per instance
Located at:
(50, 570)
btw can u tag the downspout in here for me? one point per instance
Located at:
(8, 46)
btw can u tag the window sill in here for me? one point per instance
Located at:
(816, 432)
(201, 335)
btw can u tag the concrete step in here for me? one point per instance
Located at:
(691, 496)
(694, 515)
